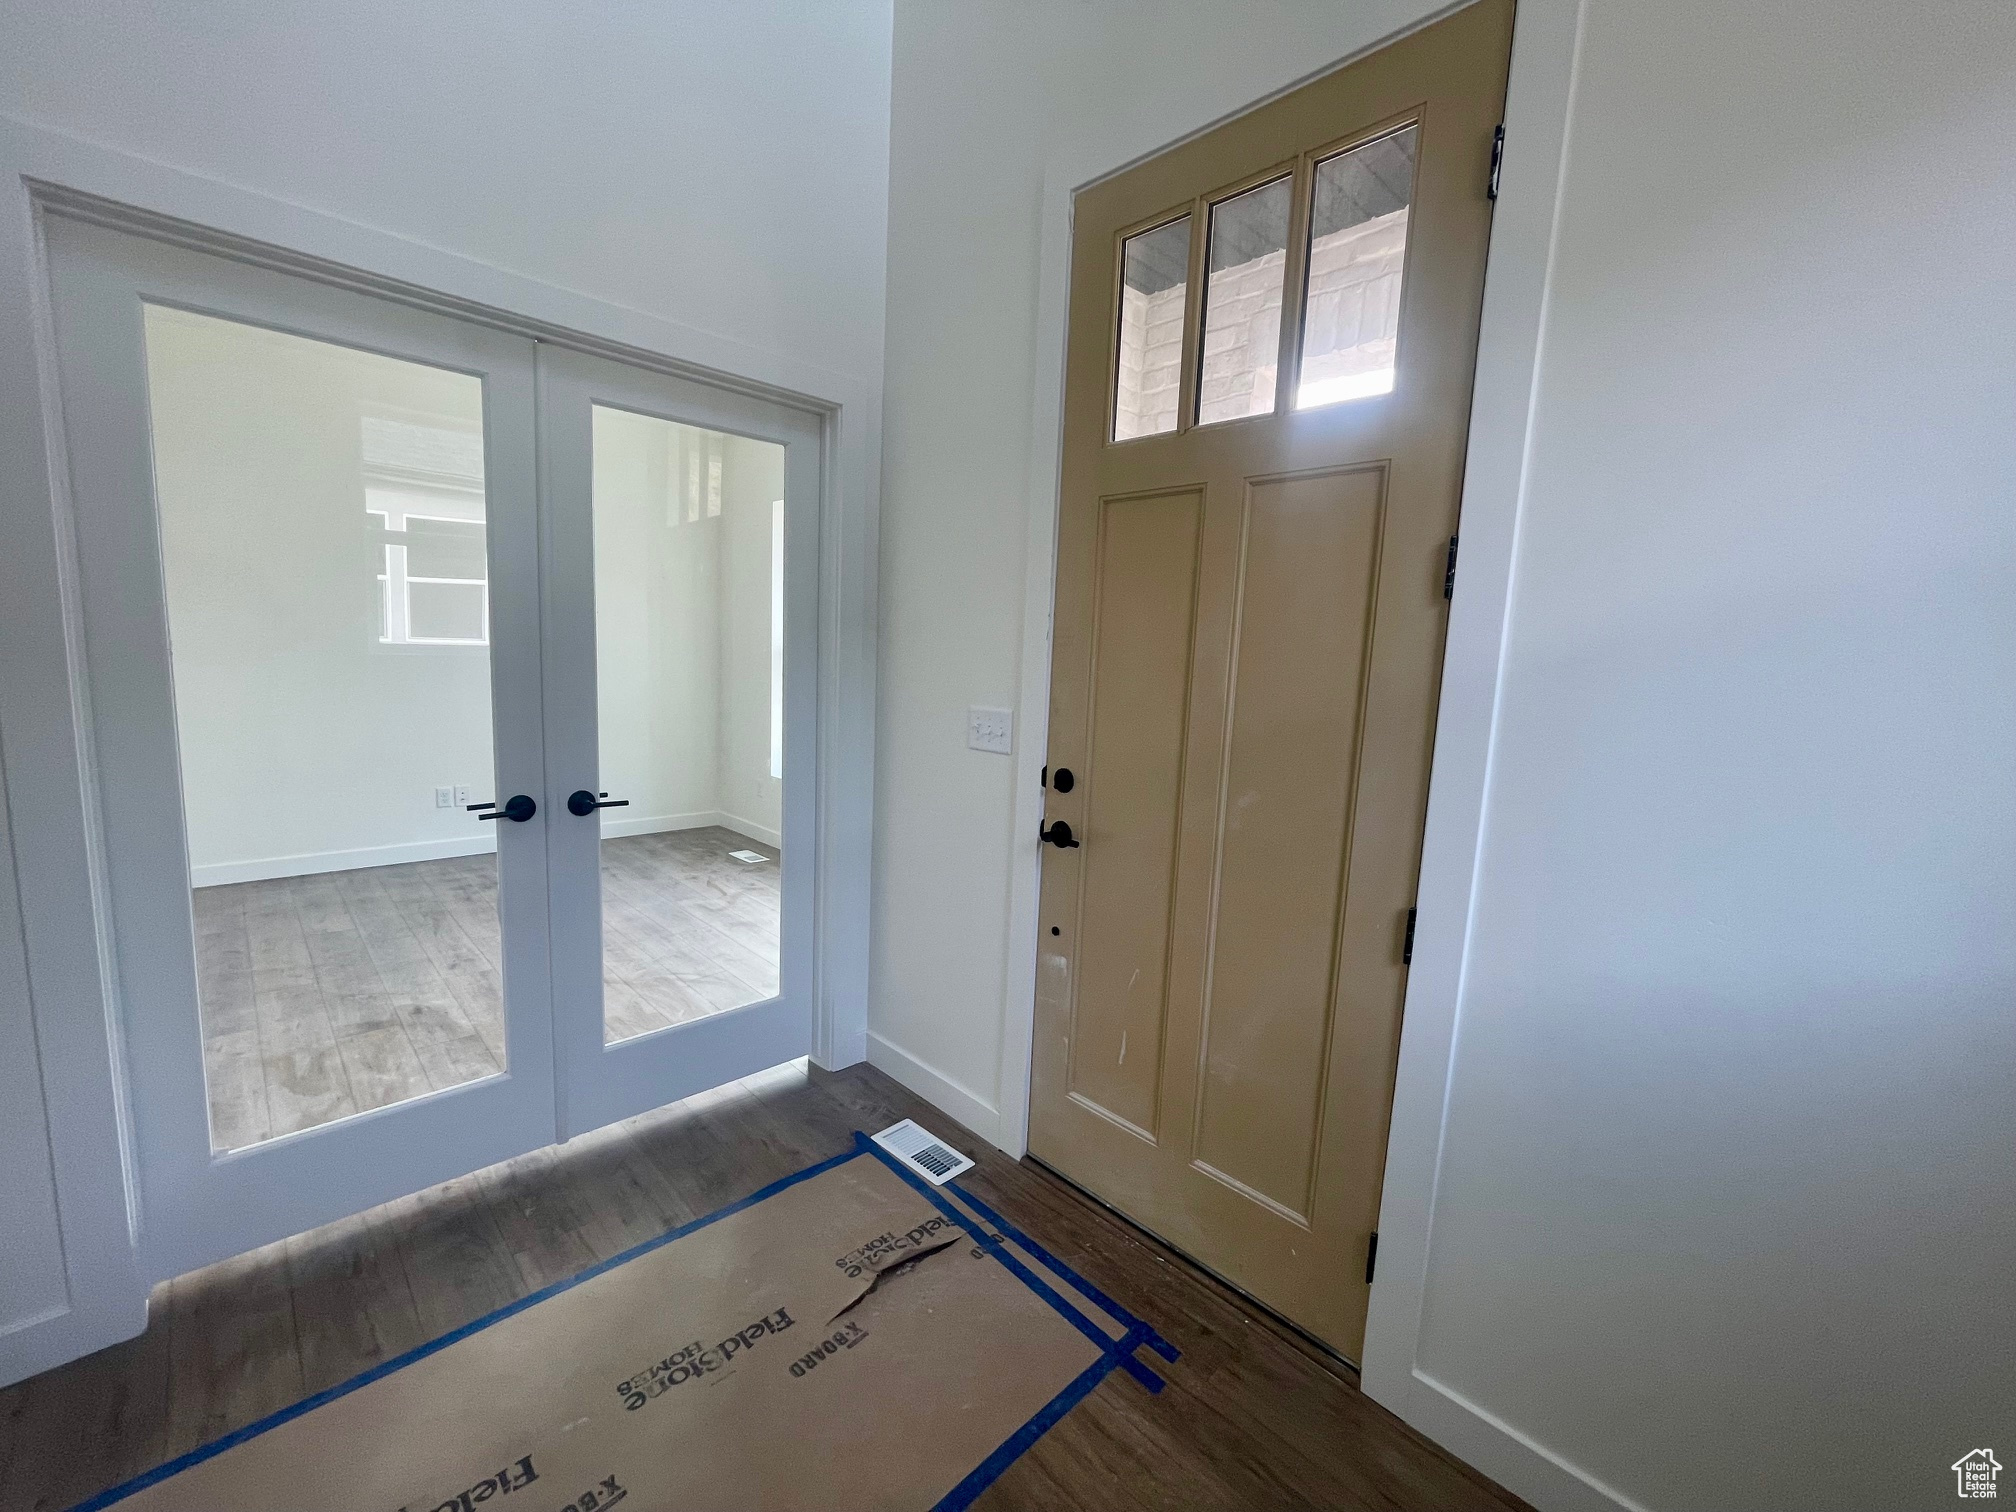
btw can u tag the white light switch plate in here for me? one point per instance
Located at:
(991, 730)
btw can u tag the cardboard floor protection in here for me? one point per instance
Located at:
(846, 1339)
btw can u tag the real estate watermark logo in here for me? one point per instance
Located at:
(1974, 1474)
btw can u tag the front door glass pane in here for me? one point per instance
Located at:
(1357, 250)
(689, 570)
(1242, 304)
(324, 552)
(1154, 281)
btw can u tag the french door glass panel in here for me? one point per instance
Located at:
(688, 610)
(307, 540)
(323, 553)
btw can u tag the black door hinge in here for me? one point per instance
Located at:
(1497, 162)
(1407, 945)
(1371, 1257)
(1449, 571)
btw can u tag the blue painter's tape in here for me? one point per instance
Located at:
(1155, 1341)
(1024, 1438)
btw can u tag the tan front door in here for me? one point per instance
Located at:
(1272, 334)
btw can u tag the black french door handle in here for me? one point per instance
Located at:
(582, 803)
(518, 809)
(1059, 835)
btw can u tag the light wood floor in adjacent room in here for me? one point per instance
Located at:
(329, 995)
(1252, 1420)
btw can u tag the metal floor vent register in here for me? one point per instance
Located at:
(922, 1151)
(750, 857)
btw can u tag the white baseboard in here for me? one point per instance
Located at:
(660, 824)
(935, 1088)
(221, 873)
(1490, 1444)
(751, 828)
(218, 873)
(654, 824)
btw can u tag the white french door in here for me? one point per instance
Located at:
(375, 603)
(681, 544)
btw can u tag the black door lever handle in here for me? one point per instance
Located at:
(582, 803)
(519, 808)
(1059, 835)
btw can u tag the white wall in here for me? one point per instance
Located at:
(987, 96)
(1726, 1211)
(723, 166)
(682, 581)
(748, 798)
(657, 625)
(1724, 1217)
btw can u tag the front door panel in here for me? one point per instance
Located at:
(1145, 598)
(1301, 633)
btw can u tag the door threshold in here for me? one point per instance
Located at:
(1285, 1328)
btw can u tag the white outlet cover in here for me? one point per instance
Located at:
(462, 798)
(990, 730)
(444, 797)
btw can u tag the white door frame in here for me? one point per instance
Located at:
(47, 735)
(1545, 49)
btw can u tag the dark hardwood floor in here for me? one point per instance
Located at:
(1252, 1418)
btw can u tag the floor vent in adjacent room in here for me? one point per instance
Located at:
(927, 1155)
(752, 857)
